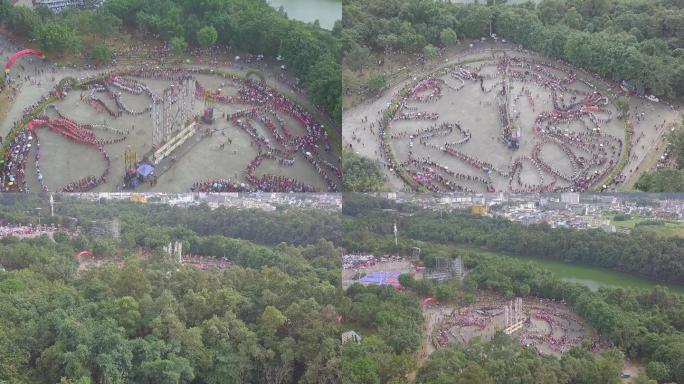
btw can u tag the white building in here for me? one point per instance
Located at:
(57, 6)
(570, 198)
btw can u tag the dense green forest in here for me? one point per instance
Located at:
(293, 226)
(269, 318)
(640, 41)
(312, 53)
(507, 362)
(643, 253)
(394, 324)
(644, 324)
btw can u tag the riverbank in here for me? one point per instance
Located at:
(590, 276)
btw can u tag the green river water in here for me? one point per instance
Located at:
(590, 276)
(325, 11)
(594, 277)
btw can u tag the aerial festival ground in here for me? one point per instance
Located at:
(223, 127)
(503, 119)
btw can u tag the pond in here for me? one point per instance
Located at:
(325, 11)
(595, 277)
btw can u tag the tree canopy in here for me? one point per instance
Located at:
(361, 174)
(141, 317)
(313, 54)
(640, 42)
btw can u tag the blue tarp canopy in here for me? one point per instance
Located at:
(145, 170)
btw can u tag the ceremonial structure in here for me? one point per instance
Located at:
(514, 316)
(173, 111)
(546, 325)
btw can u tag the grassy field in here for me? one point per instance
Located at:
(590, 276)
(666, 228)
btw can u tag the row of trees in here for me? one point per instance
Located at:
(618, 39)
(159, 222)
(270, 318)
(664, 180)
(312, 53)
(643, 252)
(69, 32)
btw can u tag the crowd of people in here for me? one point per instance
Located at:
(547, 327)
(220, 185)
(417, 116)
(521, 186)
(130, 86)
(25, 231)
(426, 172)
(17, 147)
(432, 85)
(450, 328)
(80, 135)
(351, 261)
(309, 144)
(273, 183)
(592, 154)
(14, 167)
(556, 334)
(269, 105)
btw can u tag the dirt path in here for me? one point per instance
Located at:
(5, 103)
(649, 160)
(632, 368)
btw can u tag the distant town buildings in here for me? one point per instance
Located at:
(558, 210)
(570, 198)
(263, 201)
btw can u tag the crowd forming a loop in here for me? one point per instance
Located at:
(591, 154)
(266, 104)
